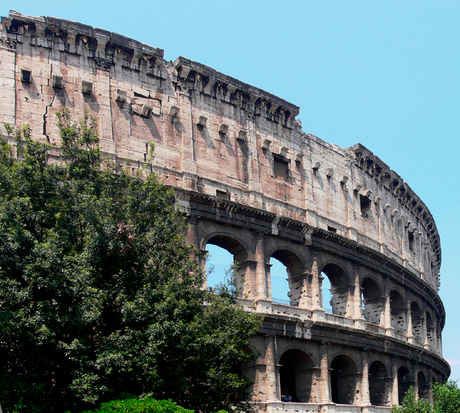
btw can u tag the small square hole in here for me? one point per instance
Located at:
(86, 87)
(26, 75)
(58, 82)
(222, 194)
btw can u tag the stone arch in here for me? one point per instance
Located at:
(397, 311)
(296, 375)
(340, 288)
(227, 240)
(372, 300)
(253, 348)
(295, 268)
(344, 380)
(404, 382)
(292, 346)
(379, 384)
(423, 385)
(416, 321)
(235, 246)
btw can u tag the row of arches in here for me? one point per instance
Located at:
(284, 279)
(298, 376)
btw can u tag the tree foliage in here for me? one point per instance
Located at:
(446, 400)
(100, 297)
(411, 404)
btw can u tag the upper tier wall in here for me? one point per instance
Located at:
(212, 133)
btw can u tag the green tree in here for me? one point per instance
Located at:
(413, 405)
(100, 297)
(447, 397)
(446, 400)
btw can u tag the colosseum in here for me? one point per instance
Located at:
(251, 181)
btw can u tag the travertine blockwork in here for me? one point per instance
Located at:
(252, 181)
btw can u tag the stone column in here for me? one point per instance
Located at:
(271, 379)
(104, 101)
(415, 377)
(357, 303)
(324, 378)
(365, 400)
(192, 238)
(438, 338)
(409, 334)
(8, 96)
(190, 118)
(253, 141)
(434, 337)
(261, 276)
(387, 309)
(424, 338)
(268, 278)
(246, 282)
(192, 232)
(429, 379)
(305, 295)
(394, 399)
(316, 295)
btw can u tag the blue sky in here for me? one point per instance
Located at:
(382, 73)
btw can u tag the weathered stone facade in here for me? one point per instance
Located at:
(251, 181)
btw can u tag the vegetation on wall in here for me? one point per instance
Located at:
(100, 298)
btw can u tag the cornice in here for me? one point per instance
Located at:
(255, 101)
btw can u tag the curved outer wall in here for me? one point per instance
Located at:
(251, 181)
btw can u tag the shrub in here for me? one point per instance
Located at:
(140, 406)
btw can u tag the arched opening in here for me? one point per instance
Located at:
(430, 333)
(372, 301)
(344, 380)
(279, 282)
(296, 376)
(416, 318)
(218, 265)
(286, 274)
(404, 382)
(422, 386)
(339, 289)
(397, 310)
(379, 385)
(326, 295)
(225, 265)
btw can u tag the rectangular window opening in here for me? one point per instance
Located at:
(365, 203)
(280, 167)
(411, 241)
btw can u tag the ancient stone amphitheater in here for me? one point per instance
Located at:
(252, 182)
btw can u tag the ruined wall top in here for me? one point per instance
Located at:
(49, 30)
(214, 135)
